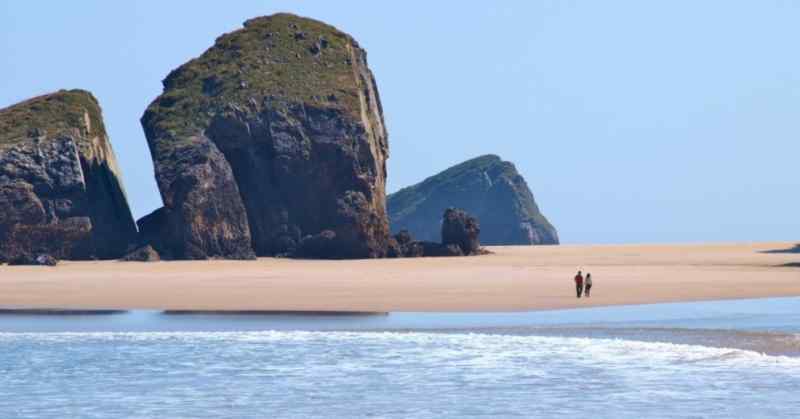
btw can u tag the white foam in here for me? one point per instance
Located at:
(490, 347)
(384, 374)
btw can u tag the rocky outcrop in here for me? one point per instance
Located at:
(460, 237)
(486, 187)
(142, 254)
(61, 191)
(402, 245)
(461, 230)
(431, 249)
(33, 260)
(271, 142)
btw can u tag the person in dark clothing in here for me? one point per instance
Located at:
(587, 285)
(579, 283)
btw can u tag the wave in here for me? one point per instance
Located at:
(385, 374)
(580, 350)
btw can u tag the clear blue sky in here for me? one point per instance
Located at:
(633, 121)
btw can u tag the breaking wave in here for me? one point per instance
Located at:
(384, 374)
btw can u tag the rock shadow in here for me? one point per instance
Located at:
(274, 313)
(795, 249)
(58, 311)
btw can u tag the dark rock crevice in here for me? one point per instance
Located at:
(105, 204)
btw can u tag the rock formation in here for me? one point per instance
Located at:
(142, 254)
(61, 191)
(460, 237)
(272, 137)
(486, 187)
(462, 230)
(33, 260)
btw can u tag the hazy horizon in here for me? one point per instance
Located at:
(632, 122)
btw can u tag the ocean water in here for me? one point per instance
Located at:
(719, 359)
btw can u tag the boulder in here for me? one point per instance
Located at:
(432, 249)
(403, 237)
(152, 230)
(461, 230)
(60, 188)
(487, 187)
(38, 260)
(273, 134)
(393, 249)
(403, 245)
(142, 254)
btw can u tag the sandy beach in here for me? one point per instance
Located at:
(513, 278)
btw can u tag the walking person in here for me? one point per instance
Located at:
(579, 283)
(587, 285)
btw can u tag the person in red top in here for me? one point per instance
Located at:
(579, 283)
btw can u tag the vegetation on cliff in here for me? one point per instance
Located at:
(284, 56)
(51, 115)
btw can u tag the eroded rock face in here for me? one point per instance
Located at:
(270, 138)
(488, 188)
(61, 192)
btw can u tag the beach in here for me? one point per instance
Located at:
(486, 336)
(512, 278)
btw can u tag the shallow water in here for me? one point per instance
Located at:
(673, 360)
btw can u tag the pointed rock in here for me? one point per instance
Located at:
(488, 188)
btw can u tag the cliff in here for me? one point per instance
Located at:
(271, 142)
(61, 191)
(488, 188)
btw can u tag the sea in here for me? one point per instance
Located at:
(720, 359)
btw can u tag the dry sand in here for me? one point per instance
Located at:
(513, 278)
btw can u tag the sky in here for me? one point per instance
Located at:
(632, 122)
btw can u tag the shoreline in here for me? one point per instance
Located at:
(46, 311)
(512, 279)
(761, 325)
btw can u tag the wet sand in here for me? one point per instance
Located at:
(513, 278)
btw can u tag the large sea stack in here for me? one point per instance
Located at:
(61, 191)
(488, 188)
(272, 138)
